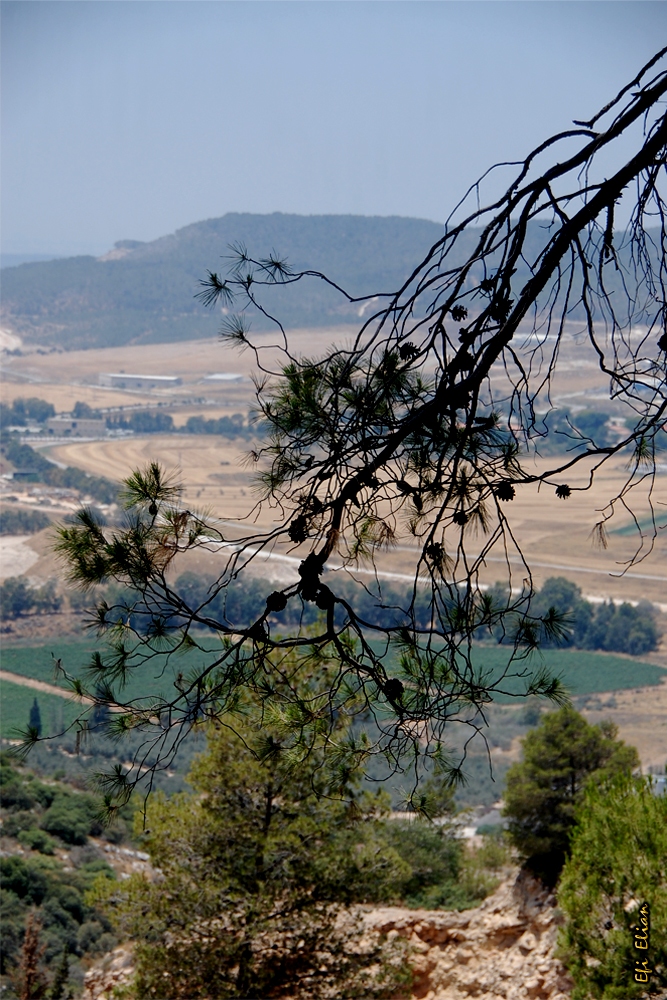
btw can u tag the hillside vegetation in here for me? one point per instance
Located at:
(54, 847)
(145, 292)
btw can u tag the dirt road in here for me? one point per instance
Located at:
(30, 682)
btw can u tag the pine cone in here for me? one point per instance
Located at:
(563, 491)
(310, 571)
(435, 552)
(298, 529)
(407, 351)
(460, 517)
(393, 689)
(276, 601)
(505, 491)
(309, 590)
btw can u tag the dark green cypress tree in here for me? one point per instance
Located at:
(35, 718)
(59, 984)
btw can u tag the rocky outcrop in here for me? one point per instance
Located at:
(501, 950)
(114, 970)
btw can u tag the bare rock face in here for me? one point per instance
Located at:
(501, 950)
(115, 969)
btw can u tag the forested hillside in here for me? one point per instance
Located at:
(145, 292)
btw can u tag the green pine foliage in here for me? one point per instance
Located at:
(617, 863)
(255, 867)
(261, 863)
(561, 756)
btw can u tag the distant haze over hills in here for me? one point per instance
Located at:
(144, 292)
(14, 259)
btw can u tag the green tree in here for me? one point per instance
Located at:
(35, 721)
(23, 410)
(254, 868)
(16, 597)
(39, 410)
(560, 757)
(617, 864)
(82, 410)
(423, 428)
(22, 522)
(60, 980)
(623, 628)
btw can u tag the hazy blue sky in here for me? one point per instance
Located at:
(127, 120)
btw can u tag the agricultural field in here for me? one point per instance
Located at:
(582, 673)
(57, 713)
(555, 535)
(62, 377)
(631, 692)
(37, 663)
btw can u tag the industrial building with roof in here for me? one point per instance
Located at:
(125, 380)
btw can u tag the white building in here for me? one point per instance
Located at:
(124, 380)
(224, 377)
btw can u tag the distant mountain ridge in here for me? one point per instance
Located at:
(144, 292)
(14, 259)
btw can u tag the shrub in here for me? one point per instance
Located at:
(70, 819)
(12, 920)
(37, 840)
(433, 857)
(13, 794)
(24, 880)
(616, 864)
(18, 822)
(70, 899)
